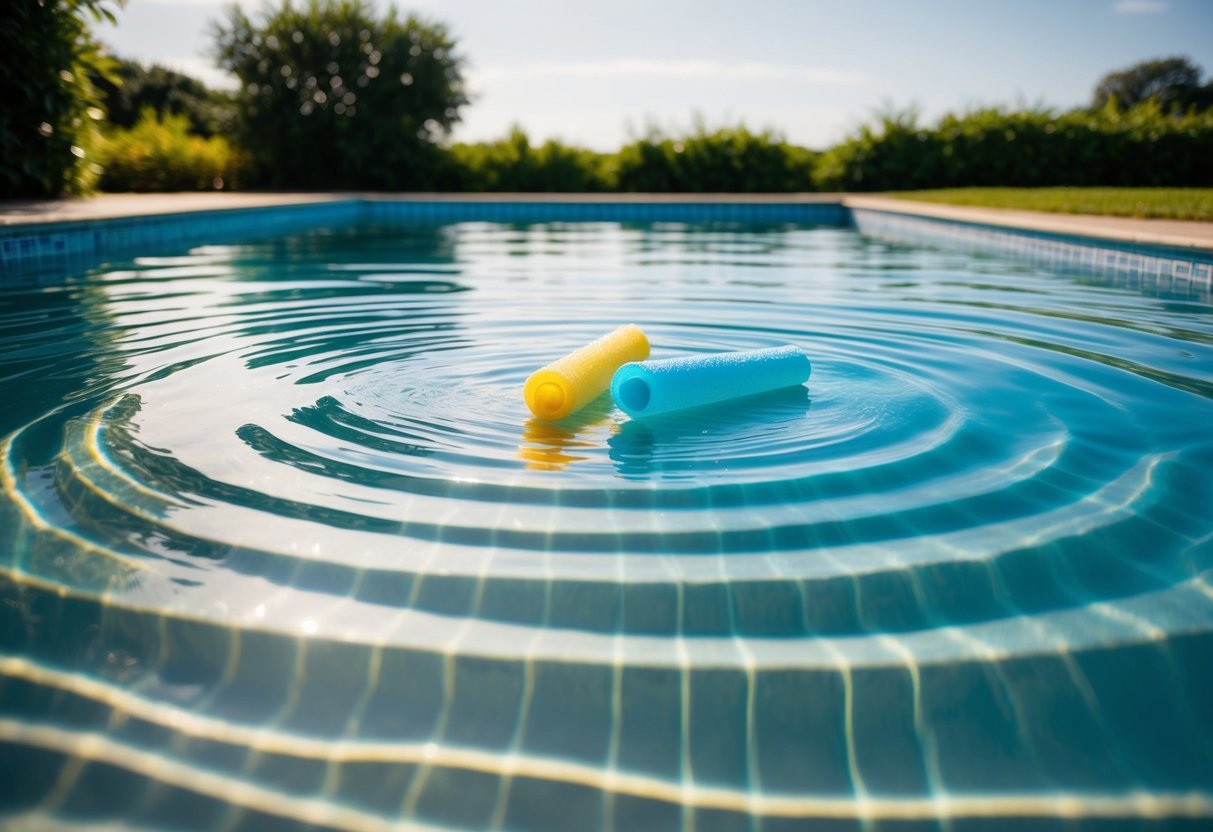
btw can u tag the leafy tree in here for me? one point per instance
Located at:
(1175, 82)
(48, 121)
(334, 96)
(132, 88)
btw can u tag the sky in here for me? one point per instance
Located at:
(597, 74)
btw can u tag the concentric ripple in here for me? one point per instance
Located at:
(282, 543)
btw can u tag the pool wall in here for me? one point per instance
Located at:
(36, 246)
(33, 246)
(52, 244)
(1158, 267)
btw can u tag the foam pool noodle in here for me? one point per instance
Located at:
(574, 381)
(655, 387)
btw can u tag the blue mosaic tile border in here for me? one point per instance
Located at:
(1158, 268)
(25, 248)
(812, 213)
(48, 245)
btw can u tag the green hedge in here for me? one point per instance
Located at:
(513, 164)
(731, 160)
(160, 154)
(1144, 146)
(1140, 147)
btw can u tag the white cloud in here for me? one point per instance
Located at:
(643, 68)
(1140, 7)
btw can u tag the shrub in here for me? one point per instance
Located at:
(1142, 146)
(48, 121)
(160, 154)
(731, 160)
(512, 164)
(333, 96)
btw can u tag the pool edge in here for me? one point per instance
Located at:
(47, 234)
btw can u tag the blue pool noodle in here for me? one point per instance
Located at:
(649, 388)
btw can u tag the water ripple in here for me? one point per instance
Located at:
(280, 534)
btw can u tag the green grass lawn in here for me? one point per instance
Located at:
(1153, 203)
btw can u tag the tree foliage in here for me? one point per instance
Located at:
(1173, 82)
(334, 96)
(48, 120)
(132, 88)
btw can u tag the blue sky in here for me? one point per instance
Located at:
(596, 73)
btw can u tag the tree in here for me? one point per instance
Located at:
(332, 96)
(132, 88)
(48, 121)
(1175, 82)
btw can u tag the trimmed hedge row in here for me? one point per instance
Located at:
(724, 161)
(1143, 147)
(513, 164)
(732, 160)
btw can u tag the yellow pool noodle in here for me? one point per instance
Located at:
(574, 381)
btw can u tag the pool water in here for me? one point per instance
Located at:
(280, 545)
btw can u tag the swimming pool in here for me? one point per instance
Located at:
(280, 545)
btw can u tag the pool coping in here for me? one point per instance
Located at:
(49, 232)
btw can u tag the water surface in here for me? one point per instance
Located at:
(281, 545)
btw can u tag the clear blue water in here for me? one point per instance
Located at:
(280, 546)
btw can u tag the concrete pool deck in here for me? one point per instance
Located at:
(1171, 233)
